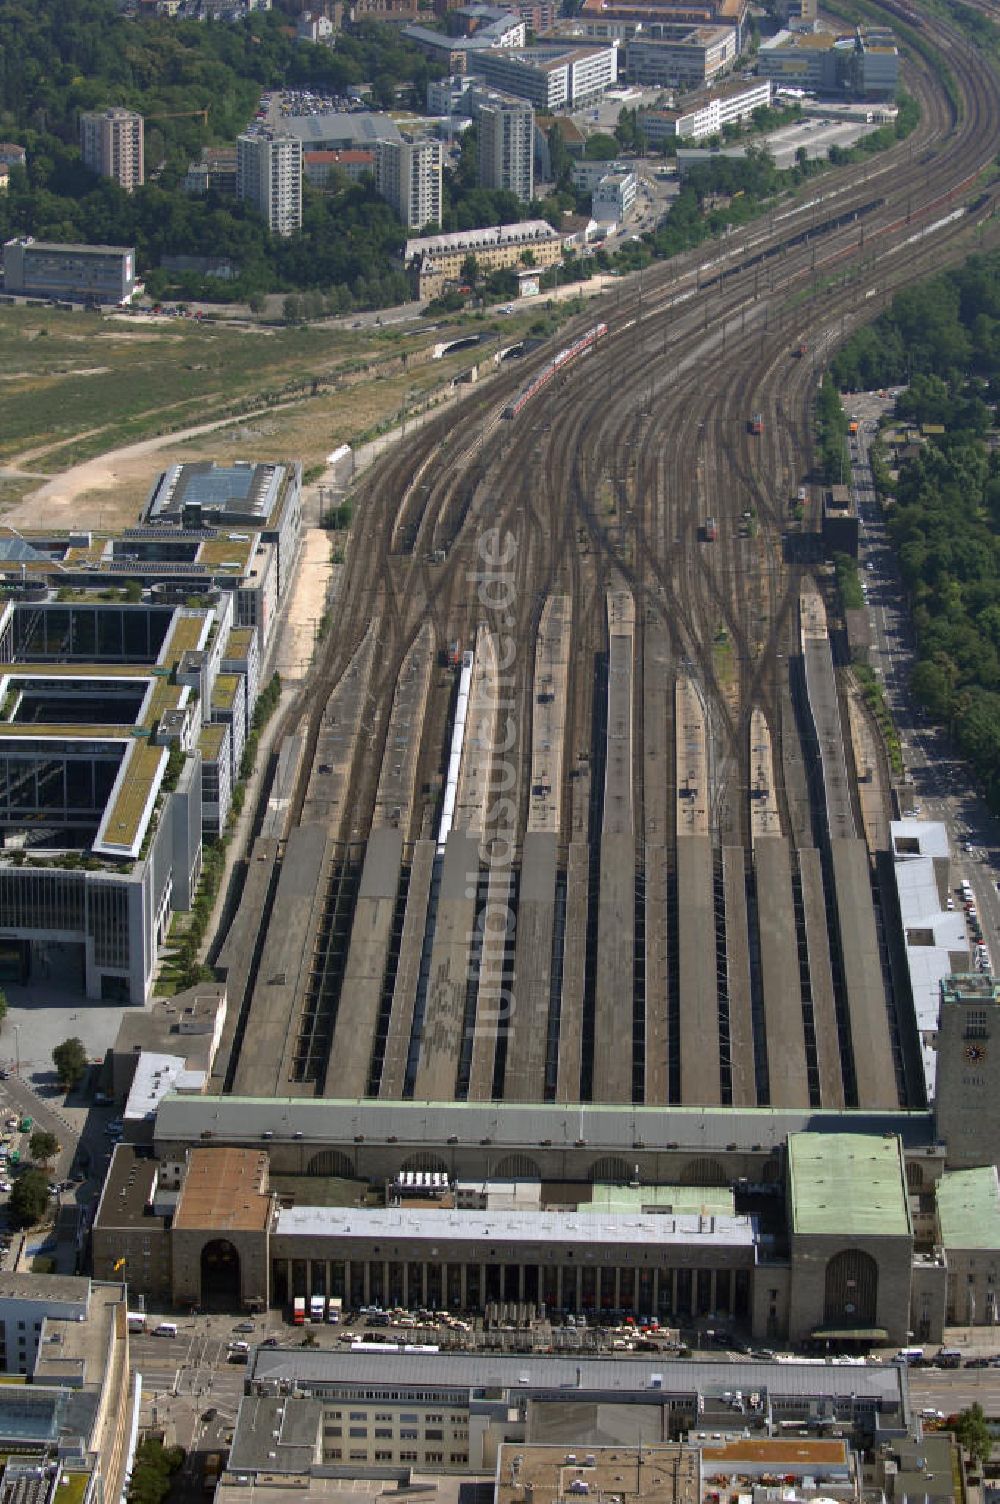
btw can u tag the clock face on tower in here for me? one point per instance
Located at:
(975, 1053)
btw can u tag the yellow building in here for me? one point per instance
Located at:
(437, 260)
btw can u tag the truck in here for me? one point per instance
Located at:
(711, 530)
(335, 1310)
(136, 1321)
(299, 1311)
(317, 1307)
(757, 423)
(211, 1471)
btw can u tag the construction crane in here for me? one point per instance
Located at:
(181, 115)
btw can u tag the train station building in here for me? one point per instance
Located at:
(821, 1256)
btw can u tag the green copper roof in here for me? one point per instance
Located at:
(847, 1183)
(968, 1205)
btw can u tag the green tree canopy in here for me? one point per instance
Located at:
(601, 148)
(70, 1060)
(28, 1198)
(973, 1433)
(43, 1145)
(152, 1471)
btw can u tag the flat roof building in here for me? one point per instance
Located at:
(677, 55)
(706, 114)
(968, 1229)
(935, 938)
(803, 60)
(552, 75)
(323, 167)
(360, 130)
(613, 198)
(112, 678)
(65, 1425)
(850, 1237)
(94, 274)
(462, 54)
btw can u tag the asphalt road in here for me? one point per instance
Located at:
(956, 1389)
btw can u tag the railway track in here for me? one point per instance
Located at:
(603, 483)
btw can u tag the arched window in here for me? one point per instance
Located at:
(851, 1289)
(612, 1170)
(704, 1172)
(331, 1162)
(518, 1167)
(425, 1160)
(220, 1275)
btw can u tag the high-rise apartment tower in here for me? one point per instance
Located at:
(111, 142)
(269, 176)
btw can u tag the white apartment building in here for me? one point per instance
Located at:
(705, 114)
(552, 76)
(111, 142)
(507, 145)
(408, 176)
(613, 198)
(269, 176)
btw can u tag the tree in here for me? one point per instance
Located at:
(152, 1471)
(973, 1433)
(43, 1146)
(28, 1198)
(70, 1060)
(601, 148)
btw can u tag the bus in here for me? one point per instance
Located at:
(299, 1311)
(335, 1310)
(317, 1307)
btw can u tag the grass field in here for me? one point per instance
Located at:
(77, 389)
(74, 384)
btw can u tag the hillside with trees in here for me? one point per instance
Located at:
(60, 57)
